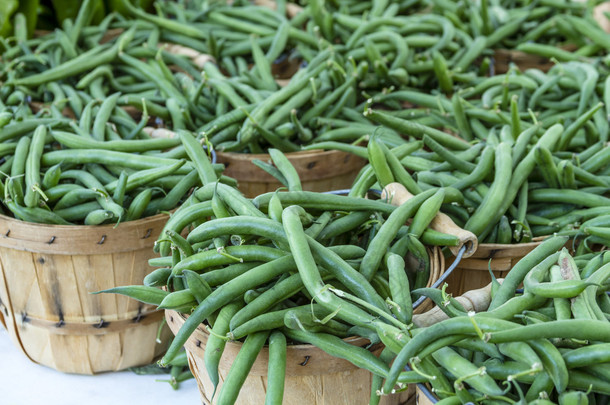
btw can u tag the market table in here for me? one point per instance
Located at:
(25, 383)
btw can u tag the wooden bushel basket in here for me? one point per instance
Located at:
(313, 377)
(47, 275)
(473, 272)
(318, 170)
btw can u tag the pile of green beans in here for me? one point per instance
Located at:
(348, 55)
(59, 171)
(503, 192)
(234, 100)
(564, 30)
(525, 163)
(250, 268)
(547, 344)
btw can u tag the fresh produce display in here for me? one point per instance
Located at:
(91, 181)
(279, 250)
(545, 344)
(526, 25)
(119, 115)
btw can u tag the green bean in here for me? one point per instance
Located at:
(416, 130)
(78, 142)
(211, 258)
(338, 348)
(91, 182)
(378, 162)
(277, 366)
(225, 294)
(344, 273)
(240, 368)
(492, 201)
(548, 51)
(32, 167)
(387, 232)
(138, 205)
(84, 62)
(35, 214)
(519, 271)
(325, 202)
(247, 130)
(286, 168)
(568, 196)
(168, 24)
(458, 366)
(97, 217)
(311, 277)
(144, 177)
(76, 196)
(399, 287)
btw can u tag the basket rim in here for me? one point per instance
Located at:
(299, 154)
(4, 217)
(80, 239)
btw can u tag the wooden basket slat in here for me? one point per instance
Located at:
(98, 347)
(72, 310)
(142, 334)
(8, 315)
(20, 277)
(93, 305)
(60, 346)
(127, 260)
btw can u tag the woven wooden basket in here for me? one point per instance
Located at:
(318, 170)
(47, 275)
(312, 376)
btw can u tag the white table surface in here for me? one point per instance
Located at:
(23, 382)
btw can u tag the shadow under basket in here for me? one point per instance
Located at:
(313, 377)
(47, 275)
(318, 170)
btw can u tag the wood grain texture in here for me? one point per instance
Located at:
(318, 170)
(46, 300)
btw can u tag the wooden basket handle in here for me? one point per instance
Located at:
(397, 194)
(472, 300)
